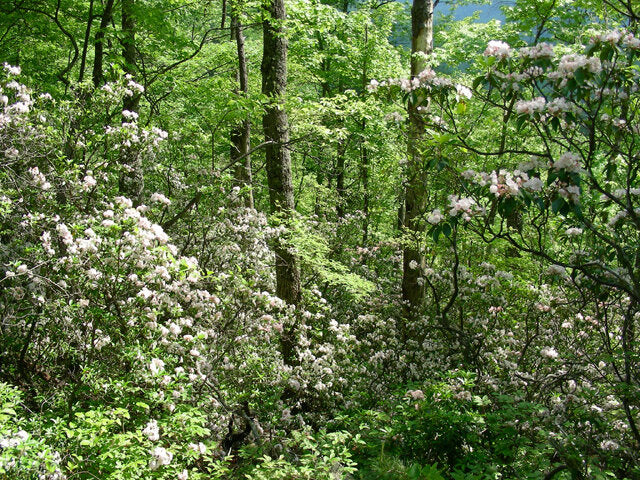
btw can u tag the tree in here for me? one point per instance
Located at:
(276, 131)
(131, 182)
(415, 191)
(241, 133)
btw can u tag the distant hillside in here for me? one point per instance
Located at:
(487, 12)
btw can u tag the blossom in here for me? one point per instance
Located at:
(549, 352)
(427, 75)
(559, 105)
(135, 86)
(373, 85)
(11, 70)
(542, 50)
(462, 92)
(435, 217)
(461, 205)
(161, 456)
(497, 49)
(129, 115)
(534, 184)
(156, 366)
(631, 41)
(571, 192)
(94, 274)
(612, 37)
(160, 198)
(88, 182)
(415, 394)
(152, 431)
(39, 179)
(568, 161)
(573, 232)
(570, 63)
(199, 447)
(609, 445)
(530, 107)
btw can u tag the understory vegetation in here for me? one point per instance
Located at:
(354, 240)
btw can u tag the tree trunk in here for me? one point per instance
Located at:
(364, 154)
(340, 170)
(241, 133)
(85, 44)
(276, 129)
(131, 181)
(415, 187)
(98, 45)
(365, 184)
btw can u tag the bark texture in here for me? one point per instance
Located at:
(241, 133)
(415, 186)
(276, 130)
(98, 44)
(131, 181)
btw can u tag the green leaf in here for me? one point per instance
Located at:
(435, 234)
(557, 204)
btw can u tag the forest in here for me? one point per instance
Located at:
(319, 239)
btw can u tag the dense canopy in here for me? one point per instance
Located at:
(316, 240)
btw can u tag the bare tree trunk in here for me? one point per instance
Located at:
(276, 129)
(98, 45)
(131, 181)
(85, 44)
(340, 170)
(364, 153)
(415, 189)
(241, 133)
(365, 185)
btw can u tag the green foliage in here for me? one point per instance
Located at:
(313, 456)
(145, 341)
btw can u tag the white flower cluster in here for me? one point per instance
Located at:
(569, 192)
(426, 78)
(541, 50)
(569, 162)
(152, 431)
(129, 115)
(463, 92)
(11, 70)
(508, 184)
(572, 62)
(463, 206)
(14, 440)
(39, 179)
(556, 270)
(160, 198)
(22, 103)
(498, 49)
(156, 366)
(161, 456)
(559, 105)
(132, 87)
(531, 106)
(435, 217)
(415, 394)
